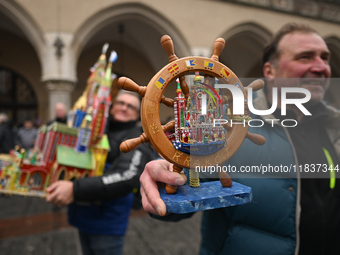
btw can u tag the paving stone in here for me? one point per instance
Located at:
(59, 242)
(146, 235)
(31, 226)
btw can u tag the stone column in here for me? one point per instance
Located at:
(59, 91)
(59, 70)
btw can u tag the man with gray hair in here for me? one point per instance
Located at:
(6, 134)
(60, 113)
(103, 220)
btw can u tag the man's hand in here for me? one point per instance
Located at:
(154, 172)
(60, 193)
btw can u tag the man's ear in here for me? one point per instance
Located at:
(269, 71)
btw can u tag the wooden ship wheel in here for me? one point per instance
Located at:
(197, 140)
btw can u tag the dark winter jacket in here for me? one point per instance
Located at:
(271, 223)
(111, 194)
(6, 138)
(26, 137)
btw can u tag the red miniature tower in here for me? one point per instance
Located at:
(102, 102)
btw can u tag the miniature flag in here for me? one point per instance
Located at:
(224, 72)
(190, 63)
(173, 68)
(160, 82)
(208, 65)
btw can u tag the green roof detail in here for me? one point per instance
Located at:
(69, 157)
(62, 128)
(103, 143)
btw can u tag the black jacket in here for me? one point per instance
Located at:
(123, 175)
(6, 138)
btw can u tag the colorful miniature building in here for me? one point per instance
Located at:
(195, 129)
(61, 151)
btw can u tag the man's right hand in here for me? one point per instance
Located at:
(155, 174)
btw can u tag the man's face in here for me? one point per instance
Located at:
(125, 108)
(28, 124)
(303, 62)
(60, 111)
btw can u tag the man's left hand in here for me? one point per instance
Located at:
(60, 193)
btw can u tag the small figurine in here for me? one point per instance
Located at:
(84, 134)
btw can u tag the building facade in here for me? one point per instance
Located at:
(48, 47)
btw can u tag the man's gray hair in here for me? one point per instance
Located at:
(123, 91)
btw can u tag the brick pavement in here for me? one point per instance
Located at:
(32, 226)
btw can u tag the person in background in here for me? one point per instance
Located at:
(6, 134)
(297, 212)
(26, 135)
(60, 113)
(100, 206)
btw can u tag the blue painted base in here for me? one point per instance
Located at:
(209, 195)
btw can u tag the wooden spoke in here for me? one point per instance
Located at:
(218, 48)
(255, 85)
(170, 189)
(256, 138)
(131, 144)
(168, 126)
(225, 179)
(167, 101)
(128, 84)
(168, 47)
(184, 86)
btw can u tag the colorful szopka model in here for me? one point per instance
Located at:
(65, 152)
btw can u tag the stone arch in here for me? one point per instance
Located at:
(22, 48)
(243, 51)
(145, 16)
(140, 43)
(25, 23)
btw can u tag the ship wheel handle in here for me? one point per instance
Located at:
(218, 48)
(171, 189)
(128, 84)
(131, 144)
(255, 138)
(255, 85)
(168, 47)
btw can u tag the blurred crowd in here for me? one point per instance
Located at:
(24, 134)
